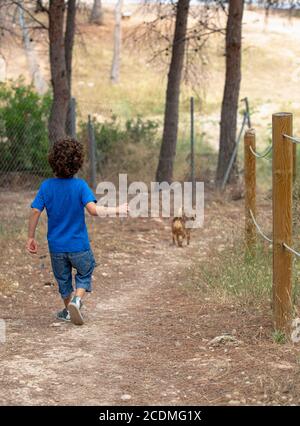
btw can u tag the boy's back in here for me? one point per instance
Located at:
(64, 200)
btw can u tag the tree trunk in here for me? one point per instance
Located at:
(231, 90)
(39, 7)
(69, 43)
(59, 79)
(96, 16)
(168, 148)
(115, 68)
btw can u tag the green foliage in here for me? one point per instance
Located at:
(23, 129)
(279, 337)
(138, 130)
(107, 136)
(123, 147)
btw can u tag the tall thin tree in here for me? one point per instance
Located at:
(59, 78)
(34, 67)
(231, 89)
(69, 44)
(115, 68)
(168, 147)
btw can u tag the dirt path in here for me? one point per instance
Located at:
(147, 333)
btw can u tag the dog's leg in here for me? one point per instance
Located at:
(188, 237)
(173, 239)
(179, 240)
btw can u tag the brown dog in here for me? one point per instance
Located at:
(179, 230)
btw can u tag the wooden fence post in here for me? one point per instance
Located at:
(250, 189)
(282, 123)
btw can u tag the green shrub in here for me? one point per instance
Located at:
(23, 129)
(107, 136)
(130, 147)
(279, 337)
(138, 130)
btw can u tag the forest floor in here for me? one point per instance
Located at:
(148, 330)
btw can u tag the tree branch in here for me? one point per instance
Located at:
(41, 24)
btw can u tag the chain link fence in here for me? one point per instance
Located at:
(117, 139)
(24, 140)
(23, 137)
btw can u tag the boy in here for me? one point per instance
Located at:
(65, 198)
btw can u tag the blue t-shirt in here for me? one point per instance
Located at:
(64, 200)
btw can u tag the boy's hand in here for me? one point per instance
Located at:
(31, 246)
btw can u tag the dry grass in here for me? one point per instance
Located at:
(271, 76)
(227, 288)
(271, 70)
(149, 333)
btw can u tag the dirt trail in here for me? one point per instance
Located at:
(146, 335)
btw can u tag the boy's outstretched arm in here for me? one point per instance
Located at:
(95, 210)
(31, 244)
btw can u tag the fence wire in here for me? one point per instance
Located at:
(292, 139)
(25, 136)
(127, 138)
(263, 154)
(258, 228)
(23, 151)
(290, 249)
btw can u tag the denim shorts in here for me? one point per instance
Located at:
(62, 263)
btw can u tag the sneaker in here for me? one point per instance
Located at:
(63, 315)
(74, 310)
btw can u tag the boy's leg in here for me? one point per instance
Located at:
(62, 270)
(84, 263)
(80, 292)
(67, 300)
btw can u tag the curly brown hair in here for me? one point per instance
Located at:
(66, 157)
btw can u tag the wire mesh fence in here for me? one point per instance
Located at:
(117, 139)
(23, 136)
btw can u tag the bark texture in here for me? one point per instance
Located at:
(168, 148)
(59, 78)
(69, 43)
(231, 89)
